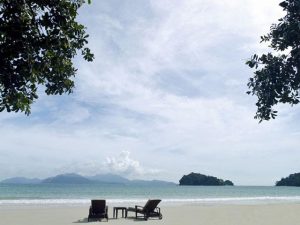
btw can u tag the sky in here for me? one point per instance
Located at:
(165, 96)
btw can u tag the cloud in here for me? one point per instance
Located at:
(124, 165)
(193, 49)
(86, 168)
(169, 80)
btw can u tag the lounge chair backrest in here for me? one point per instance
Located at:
(98, 206)
(151, 205)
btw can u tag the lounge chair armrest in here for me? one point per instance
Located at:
(106, 209)
(138, 206)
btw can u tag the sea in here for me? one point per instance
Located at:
(115, 194)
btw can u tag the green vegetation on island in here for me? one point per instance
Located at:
(200, 179)
(291, 180)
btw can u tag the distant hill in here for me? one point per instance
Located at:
(291, 180)
(70, 178)
(73, 178)
(21, 180)
(151, 182)
(109, 178)
(201, 179)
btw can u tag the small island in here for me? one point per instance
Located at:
(291, 180)
(204, 180)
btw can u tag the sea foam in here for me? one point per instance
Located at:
(229, 200)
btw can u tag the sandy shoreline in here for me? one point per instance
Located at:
(271, 214)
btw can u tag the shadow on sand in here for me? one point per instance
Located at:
(131, 218)
(84, 220)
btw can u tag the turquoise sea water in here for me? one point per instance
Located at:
(11, 194)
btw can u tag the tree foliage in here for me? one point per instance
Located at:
(203, 180)
(277, 76)
(38, 40)
(291, 180)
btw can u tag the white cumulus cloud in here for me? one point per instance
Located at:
(123, 164)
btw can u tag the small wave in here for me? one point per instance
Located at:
(264, 199)
(237, 199)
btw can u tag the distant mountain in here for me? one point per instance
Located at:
(203, 180)
(151, 182)
(109, 178)
(73, 178)
(291, 180)
(21, 180)
(68, 178)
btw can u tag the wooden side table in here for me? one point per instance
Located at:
(124, 212)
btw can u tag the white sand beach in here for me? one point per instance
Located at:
(263, 214)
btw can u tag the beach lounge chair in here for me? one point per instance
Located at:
(149, 210)
(98, 210)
